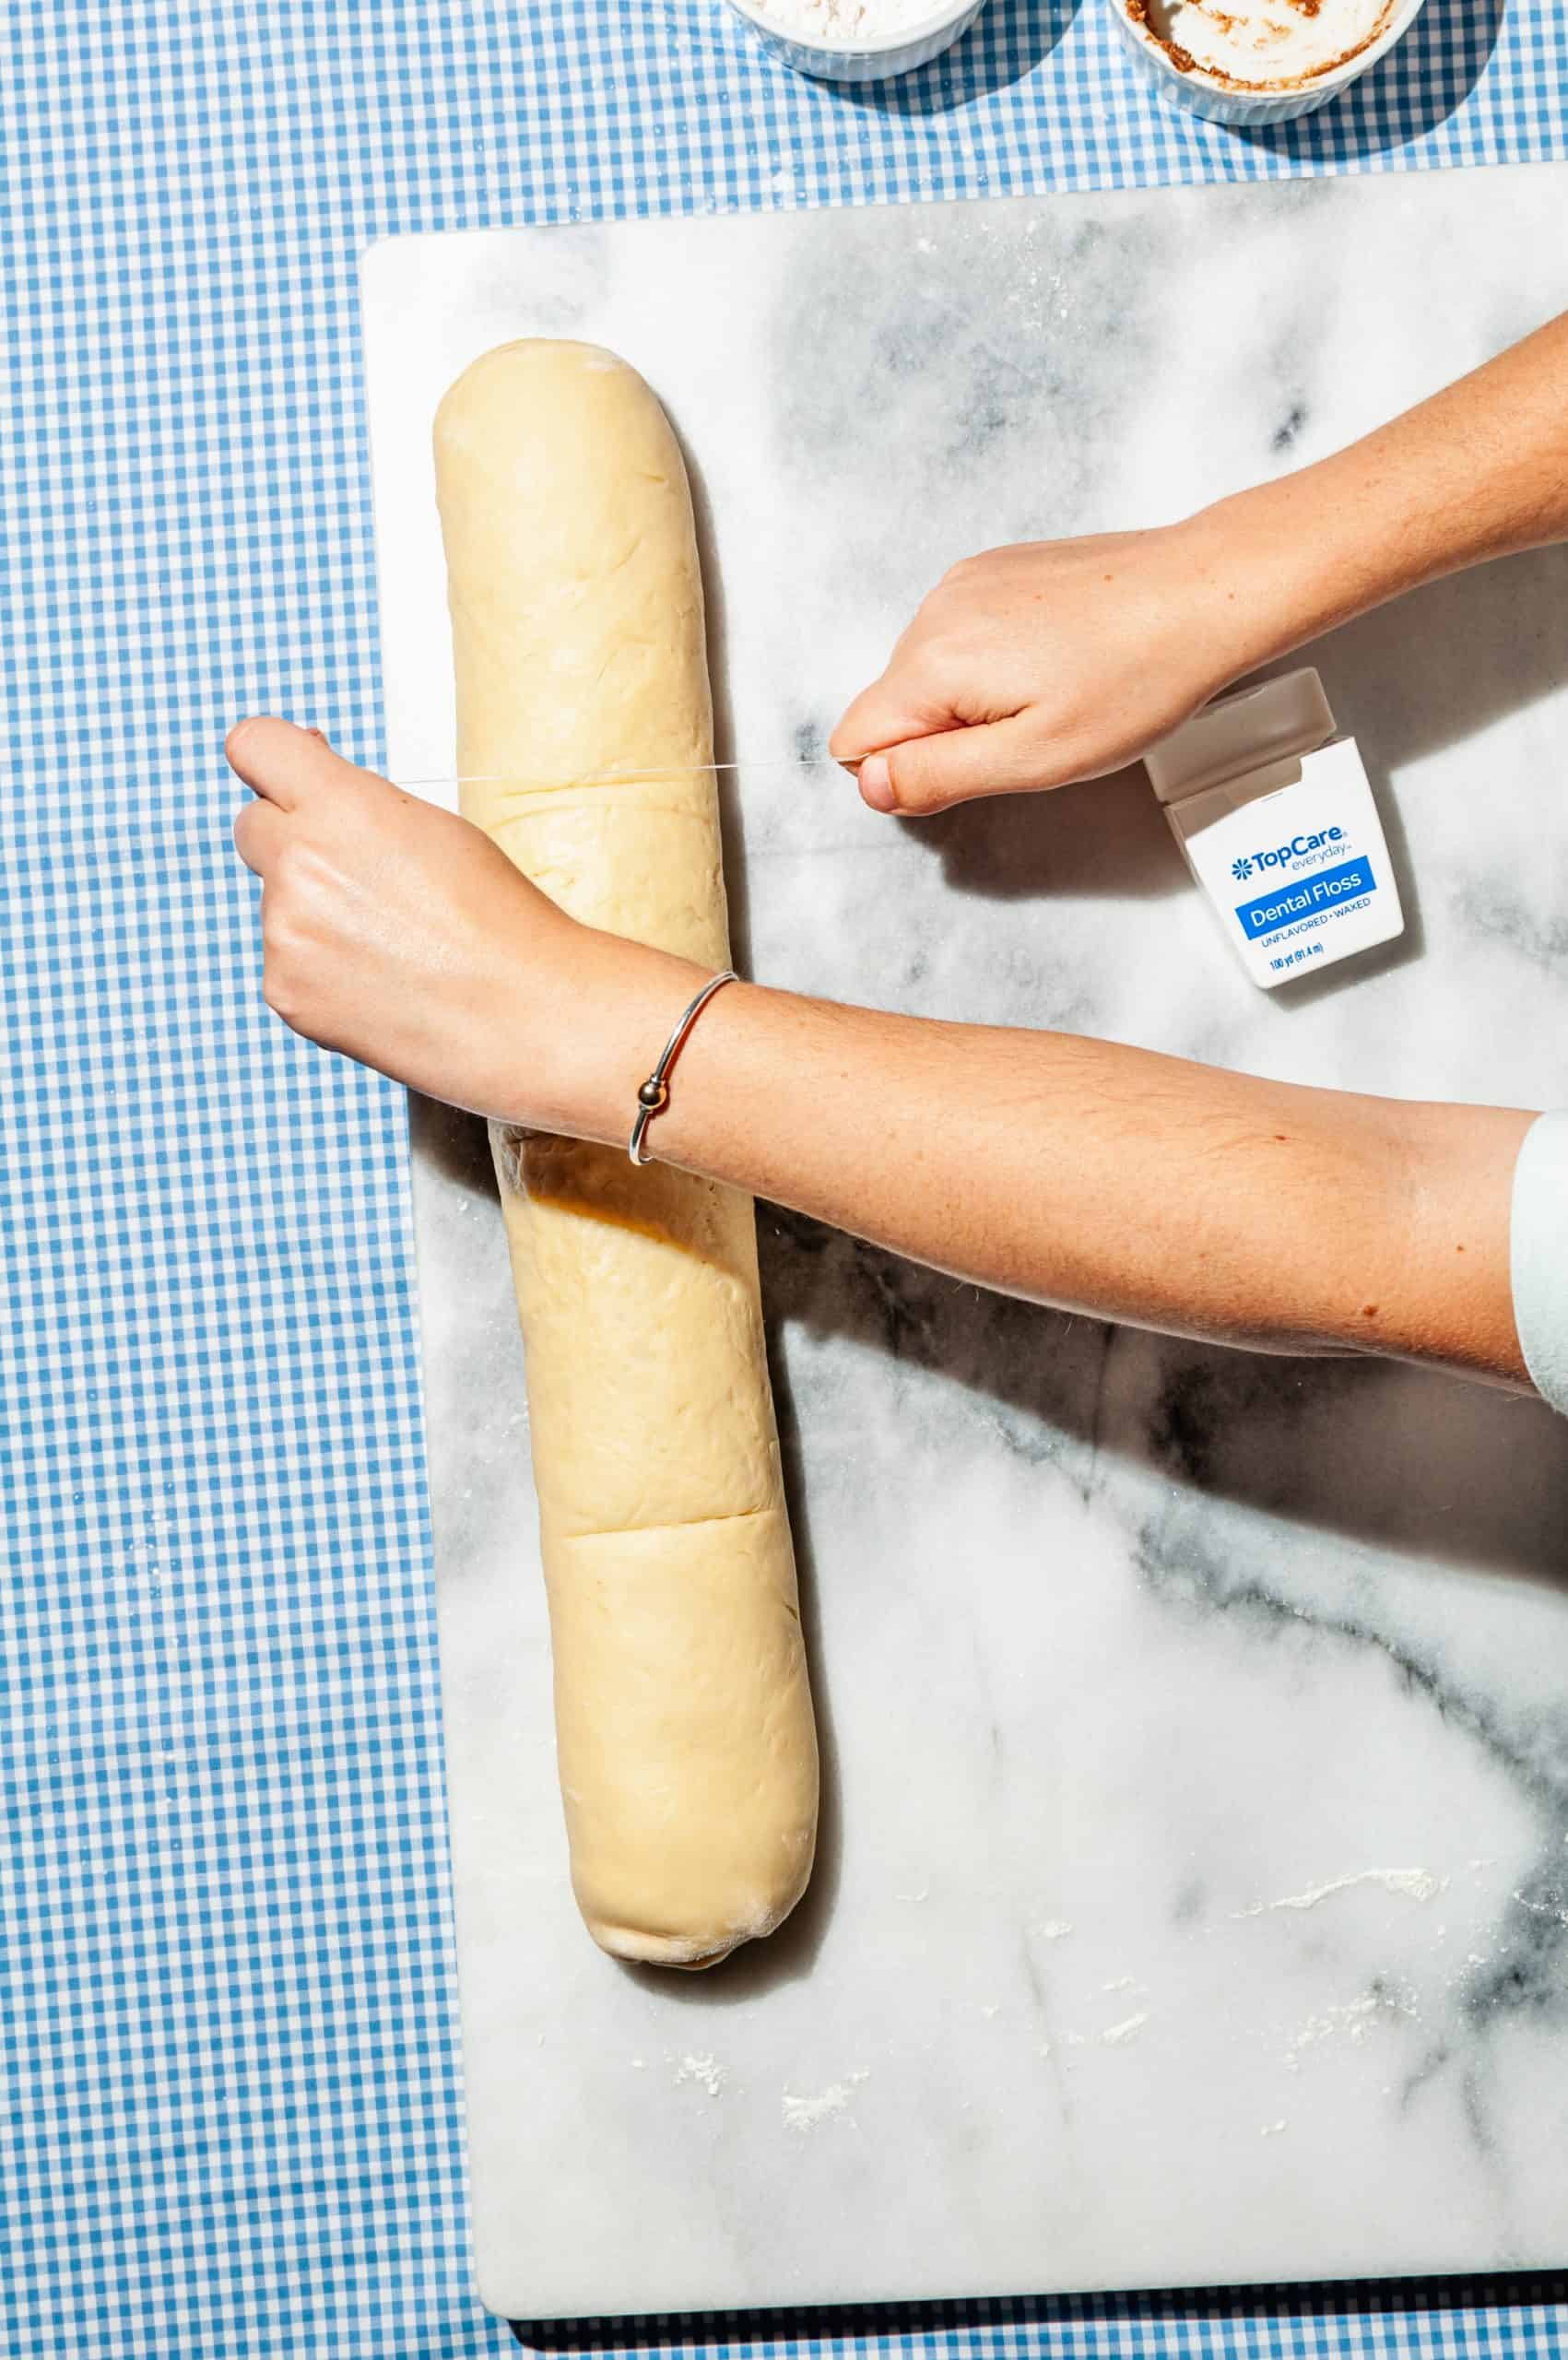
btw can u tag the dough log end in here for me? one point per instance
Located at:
(692, 1953)
(685, 1736)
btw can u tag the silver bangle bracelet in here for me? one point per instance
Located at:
(653, 1096)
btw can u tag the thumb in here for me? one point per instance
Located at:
(929, 774)
(283, 764)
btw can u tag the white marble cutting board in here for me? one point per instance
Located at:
(1193, 1903)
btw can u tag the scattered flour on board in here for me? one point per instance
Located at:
(706, 2069)
(1053, 1928)
(1356, 2020)
(805, 2114)
(1416, 1884)
(844, 21)
(1129, 2029)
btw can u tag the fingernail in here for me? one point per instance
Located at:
(317, 733)
(876, 782)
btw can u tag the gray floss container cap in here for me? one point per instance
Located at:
(1242, 732)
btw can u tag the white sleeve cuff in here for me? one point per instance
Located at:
(1539, 1252)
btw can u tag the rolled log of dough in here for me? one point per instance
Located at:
(686, 1747)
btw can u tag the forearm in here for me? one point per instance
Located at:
(1479, 471)
(1099, 1178)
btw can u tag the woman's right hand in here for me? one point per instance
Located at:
(1050, 661)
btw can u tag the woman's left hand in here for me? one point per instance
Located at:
(398, 933)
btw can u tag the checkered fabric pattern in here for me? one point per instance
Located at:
(228, 2062)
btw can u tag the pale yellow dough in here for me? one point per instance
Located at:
(683, 1715)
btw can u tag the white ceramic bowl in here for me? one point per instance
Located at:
(1203, 96)
(864, 61)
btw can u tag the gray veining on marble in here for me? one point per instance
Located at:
(1194, 1897)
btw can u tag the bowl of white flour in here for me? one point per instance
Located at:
(856, 40)
(1260, 60)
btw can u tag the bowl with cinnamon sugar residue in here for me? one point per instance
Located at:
(1260, 60)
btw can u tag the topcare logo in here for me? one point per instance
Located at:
(1297, 849)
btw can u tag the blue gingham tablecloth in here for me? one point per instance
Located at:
(227, 2062)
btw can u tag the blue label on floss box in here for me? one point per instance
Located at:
(1307, 897)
